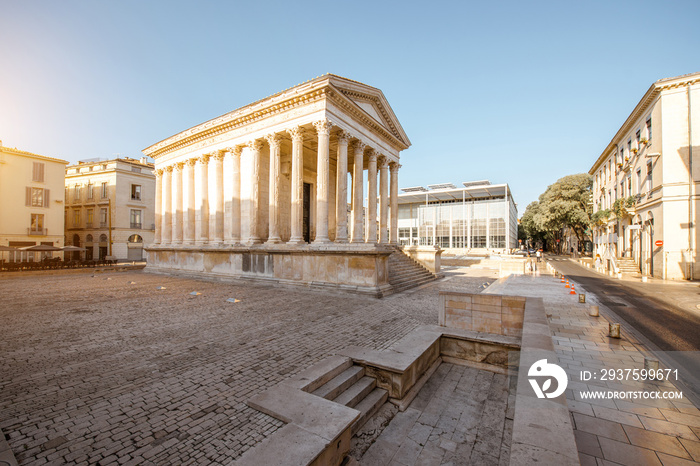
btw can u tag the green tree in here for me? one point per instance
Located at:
(564, 203)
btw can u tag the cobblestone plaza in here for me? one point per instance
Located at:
(109, 369)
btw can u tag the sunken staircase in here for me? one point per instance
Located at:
(406, 273)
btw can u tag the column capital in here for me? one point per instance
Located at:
(372, 153)
(358, 146)
(297, 133)
(344, 137)
(383, 161)
(323, 126)
(274, 140)
(158, 172)
(219, 155)
(394, 167)
(168, 169)
(254, 144)
(204, 159)
(235, 150)
(179, 166)
(191, 162)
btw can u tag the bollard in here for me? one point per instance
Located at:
(644, 279)
(651, 365)
(619, 276)
(593, 311)
(582, 298)
(614, 330)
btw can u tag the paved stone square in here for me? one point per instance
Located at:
(108, 369)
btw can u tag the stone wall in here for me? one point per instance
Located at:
(501, 315)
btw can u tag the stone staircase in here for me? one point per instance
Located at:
(405, 273)
(352, 388)
(628, 266)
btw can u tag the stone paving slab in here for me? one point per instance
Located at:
(634, 432)
(97, 369)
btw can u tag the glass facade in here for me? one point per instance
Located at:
(455, 224)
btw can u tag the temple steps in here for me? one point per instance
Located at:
(405, 273)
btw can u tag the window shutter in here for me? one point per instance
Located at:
(46, 198)
(28, 198)
(35, 171)
(41, 172)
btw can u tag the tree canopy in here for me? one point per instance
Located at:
(565, 203)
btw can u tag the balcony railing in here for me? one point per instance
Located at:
(39, 232)
(136, 225)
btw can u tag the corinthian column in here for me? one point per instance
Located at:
(159, 206)
(274, 141)
(341, 195)
(202, 201)
(166, 218)
(323, 128)
(188, 208)
(216, 223)
(254, 148)
(372, 198)
(394, 230)
(297, 134)
(177, 203)
(357, 192)
(383, 199)
(236, 195)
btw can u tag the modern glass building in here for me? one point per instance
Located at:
(479, 215)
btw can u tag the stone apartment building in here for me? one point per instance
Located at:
(31, 211)
(110, 207)
(645, 184)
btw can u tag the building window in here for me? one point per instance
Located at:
(36, 197)
(622, 154)
(76, 193)
(629, 185)
(639, 181)
(90, 190)
(629, 145)
(135, 218)
(76, 218)
(37, 225)
(103, 218)
(638, 136)
(104, 192)
(136, 169)
(38, 172)
(622, 189)
(649, 179)
(649, 128)
(136, 192)
(90, 217)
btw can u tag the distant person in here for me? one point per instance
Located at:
(598, 263)
(539, 255)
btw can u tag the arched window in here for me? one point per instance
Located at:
(135, 239)
(88, 239)
(76, 240)
(103, 238)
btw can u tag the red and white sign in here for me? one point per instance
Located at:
(658, 243)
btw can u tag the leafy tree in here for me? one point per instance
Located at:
(563, 204)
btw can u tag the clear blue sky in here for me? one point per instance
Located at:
(515, 92)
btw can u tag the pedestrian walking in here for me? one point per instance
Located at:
(539, 255)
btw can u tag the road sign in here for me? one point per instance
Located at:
(658, 243)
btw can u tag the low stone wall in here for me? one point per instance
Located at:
(427, 256)
(500, 315)
(358, 269)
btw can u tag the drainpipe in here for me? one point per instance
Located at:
(691, 194)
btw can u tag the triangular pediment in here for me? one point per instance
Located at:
(373, 103)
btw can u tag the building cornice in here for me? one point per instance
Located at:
(24, 153)
(642, 107)
(321, 88)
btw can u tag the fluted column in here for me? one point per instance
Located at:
(341, 193)
(202, 200)
(323, 128)
(254, 148)
(189, 207)
(216, 223)
(297, 134)
(371, 236)
(394, 228)
(236, 195)
(383, 199)
(357, 192)
(177, 202)
(274, 141)
(166, 225)
(158, 206)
